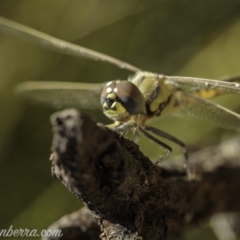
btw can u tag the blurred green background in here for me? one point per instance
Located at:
(198, 38)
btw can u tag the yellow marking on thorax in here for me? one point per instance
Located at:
(208, 93)
(147, 84)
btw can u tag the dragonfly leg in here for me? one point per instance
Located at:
(175, 140)
(118, 127)
(136, 136)
(157, 141)
(113, 125)
(124, 128)
(121, 128)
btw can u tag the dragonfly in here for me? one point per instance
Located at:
(133, 102)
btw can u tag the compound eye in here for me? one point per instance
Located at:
(131, 97)
(108, 93)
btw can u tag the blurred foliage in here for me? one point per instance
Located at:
(194, 38)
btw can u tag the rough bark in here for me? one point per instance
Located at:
(131, 197)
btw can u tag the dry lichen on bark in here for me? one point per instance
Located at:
(131, 197)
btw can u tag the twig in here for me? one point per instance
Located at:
(131, 197)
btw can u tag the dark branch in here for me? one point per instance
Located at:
(129, 195)
(78, 225)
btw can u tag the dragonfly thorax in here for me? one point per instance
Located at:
(121, 99)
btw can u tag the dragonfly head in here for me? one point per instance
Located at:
(121, 99)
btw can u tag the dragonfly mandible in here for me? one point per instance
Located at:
(130, 103)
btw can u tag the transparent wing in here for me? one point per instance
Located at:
(191, 84)
(47, 41)
(208, 111)
(211, 93)
(62, 94)
(52, 43)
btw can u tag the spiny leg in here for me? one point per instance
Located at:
(157, 141)
(173, 139)
(118, 127)
(124, 128)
